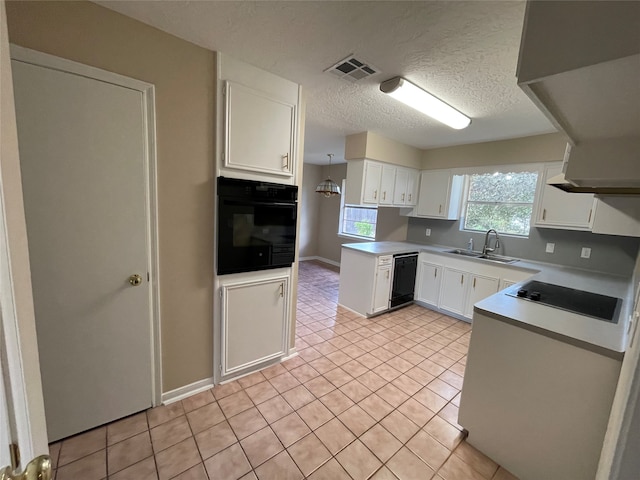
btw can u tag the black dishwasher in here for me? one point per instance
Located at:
(404, 278)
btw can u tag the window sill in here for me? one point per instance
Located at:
(356, 237)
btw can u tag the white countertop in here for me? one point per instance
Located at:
(563, 325)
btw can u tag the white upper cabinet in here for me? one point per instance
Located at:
(387, 184)
(260, 131)
(559, 209)
(617, 216)
(440, 194)
(377, 183)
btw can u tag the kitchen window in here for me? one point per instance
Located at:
(357, 221)
(500, 200)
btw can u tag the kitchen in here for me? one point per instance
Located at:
(179, 374)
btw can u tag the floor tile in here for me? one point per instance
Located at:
(392, 395)
(304, 373)
(205, 417)
(309, 453)
(456, 469)
(261, 446)
(407, 466)
(164, 413)
(407, 384)
(274, 409)
(91, 467)
(429, 450)
(130, 451)
(247, 422)
(215, 439)
(375, 406)
(253, 379)
(235, 404)
(319, 386)
(290, 429)
(199, 400)
(226, 389)
(315, 414)
(400, 426)
(54, 450)
(430, 399)
(144, 470)
(381, 442)
(476, 459)
(284, 382)
(336, 401)
(125, 428)
(355, 368)
(444, 432)
(273, 371)
(416, 412)
(298, 397)
(82, 445)
(334, 435)
(261, 392)
(194, 473)
(358, 461)
(331, 470)
(356, 420)
(280, 467)
(338, 377)
(177, 459)
(229, 464)
(443, 389)
(322, 365)
(170, 433)
(372, 380)
(503, 474)
(450, 413)
(384, 474)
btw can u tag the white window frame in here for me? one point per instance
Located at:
(343, 204)
(509, 168)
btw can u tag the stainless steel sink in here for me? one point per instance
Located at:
(483, 256)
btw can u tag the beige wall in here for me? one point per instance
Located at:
(376, 147)
(310, 211)
(184, 76)
(539, 148)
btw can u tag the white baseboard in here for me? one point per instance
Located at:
(321, 259)
(186, 391)
(292, 353)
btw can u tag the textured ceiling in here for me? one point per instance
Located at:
(463, 52)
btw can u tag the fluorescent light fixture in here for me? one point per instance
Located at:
(412, 95)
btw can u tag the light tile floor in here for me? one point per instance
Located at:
(366, 398)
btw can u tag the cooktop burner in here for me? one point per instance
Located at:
(590, 304)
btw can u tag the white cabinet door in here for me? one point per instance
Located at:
(387, 183)
(382, 288)
(400, 189)
(440, 194)
(453, 290)
(372, 176)
(259, 131)
(428, 284)
(254, 322)
(558, 209)
(480, 287)
(413, 179)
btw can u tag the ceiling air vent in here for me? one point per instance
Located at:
(352, 69)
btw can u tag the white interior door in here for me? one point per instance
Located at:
(82, 154)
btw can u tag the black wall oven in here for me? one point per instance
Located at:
(256, 225)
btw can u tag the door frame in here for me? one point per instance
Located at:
(147, 90)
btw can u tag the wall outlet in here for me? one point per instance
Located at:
(585, 253)
(427, 232)
(550, 247)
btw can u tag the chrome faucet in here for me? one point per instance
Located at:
(485, 248)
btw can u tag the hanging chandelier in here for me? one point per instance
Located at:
(328, 187)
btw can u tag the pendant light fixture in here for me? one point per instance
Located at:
(410, 94)
(328, 187)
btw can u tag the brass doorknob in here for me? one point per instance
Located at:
(38, 469)
(135, 280)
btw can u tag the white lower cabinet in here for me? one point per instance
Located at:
(480, 287)
(453, 289)
(455, 285)
(382, 287)
(254, 321)
(428, 283)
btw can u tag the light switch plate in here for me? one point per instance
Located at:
(586, 252)
(550, 247)
(427, 232)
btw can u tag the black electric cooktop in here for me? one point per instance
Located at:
(590, 304)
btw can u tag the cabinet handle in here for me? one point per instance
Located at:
(409, 197)
(440, 209)
(461, 279)
(403, 197)
(387, 273)
(474, 283)
(286, 158)
(384, 195)
(590, 211)
(282, 290)
(375, 194)
(435, 273)
(544, 214)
